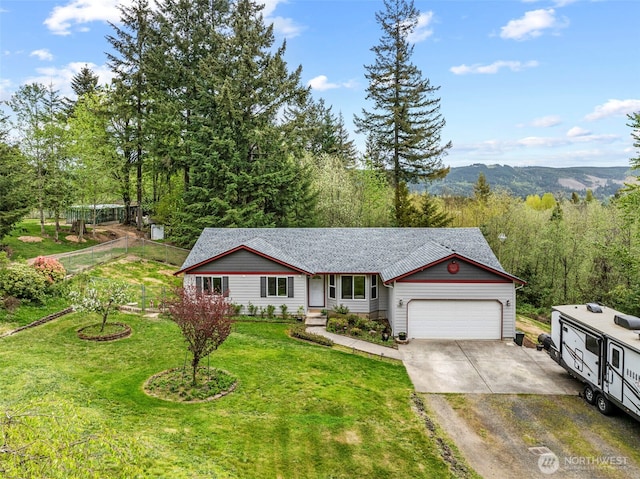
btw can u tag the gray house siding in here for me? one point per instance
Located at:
(245, 289)
(466, 272)
(243, 261)
(406, 291)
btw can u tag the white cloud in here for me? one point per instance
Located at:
(532, 25)
(546, 121)
(493, 68)
(42, 54)
(60, 78)
(577, 131)
(322, 83)
(80, 12)
(614, 108)
(62, 18)
(423, 28)
(285, 26)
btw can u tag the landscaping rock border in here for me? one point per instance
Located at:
(111, 337)
(40, 321)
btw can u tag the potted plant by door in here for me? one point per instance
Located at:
(402, 337)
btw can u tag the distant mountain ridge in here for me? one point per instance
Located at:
(523, 181)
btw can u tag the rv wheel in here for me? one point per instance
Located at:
(589, 395)
(604, 405)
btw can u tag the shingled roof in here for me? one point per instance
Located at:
(391, 252)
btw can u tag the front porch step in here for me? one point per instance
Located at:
(315, 318)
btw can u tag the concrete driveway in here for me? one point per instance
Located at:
(436, 366)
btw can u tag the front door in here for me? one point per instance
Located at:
(615, 371)
(316, 292)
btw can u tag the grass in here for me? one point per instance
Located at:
(299, 410)
(30, 312)
(24, 250)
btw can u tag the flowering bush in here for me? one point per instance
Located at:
(50, 268)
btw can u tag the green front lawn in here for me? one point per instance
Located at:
(300, 410)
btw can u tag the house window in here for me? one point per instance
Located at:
(332, 286)
(374, 286)
(353, 287)
(212, 284)
(276, 286)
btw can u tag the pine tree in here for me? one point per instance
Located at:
(85, 81)
(430, 213)
(405, 124)
(242, 172)
(132, 43)
(481, 189)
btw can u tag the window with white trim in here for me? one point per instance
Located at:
(276, 286)
(332, 286)
(353, 287)
(374, 286)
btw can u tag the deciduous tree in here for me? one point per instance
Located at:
(102, 297)
(205, 322)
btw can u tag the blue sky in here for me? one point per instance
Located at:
(522, 83)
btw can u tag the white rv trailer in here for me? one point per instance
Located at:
(600, 347)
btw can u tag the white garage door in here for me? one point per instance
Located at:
(438, 319)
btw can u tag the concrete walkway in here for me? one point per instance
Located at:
(357, 344)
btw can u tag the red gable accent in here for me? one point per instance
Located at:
(456, 257)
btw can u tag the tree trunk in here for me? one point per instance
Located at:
(194, 365)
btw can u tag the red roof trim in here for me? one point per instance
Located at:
(238, 248)
(470, 281)
(506, 276)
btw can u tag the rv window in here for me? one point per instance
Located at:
(615, 358)
(591, 344)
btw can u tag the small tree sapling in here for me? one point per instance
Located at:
(101, 297)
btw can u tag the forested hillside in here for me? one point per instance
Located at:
(603, 182)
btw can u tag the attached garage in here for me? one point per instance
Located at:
(454, 319)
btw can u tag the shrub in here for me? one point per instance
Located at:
(23, 282)
(50, 268)
(10, 303)
(271, 310)
(341, 309)
(252, 309)
(284, 311)
(353, 319)
(300, 332)
(356, 332)
(337, 325)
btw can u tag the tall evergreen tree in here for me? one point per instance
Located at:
(406, 122)
(129, 62)
(242, 172)
(188, 36)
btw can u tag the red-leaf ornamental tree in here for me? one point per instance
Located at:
(204, 319)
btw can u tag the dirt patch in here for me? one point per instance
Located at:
(30, 239)
(506, 436)
(75, 239)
